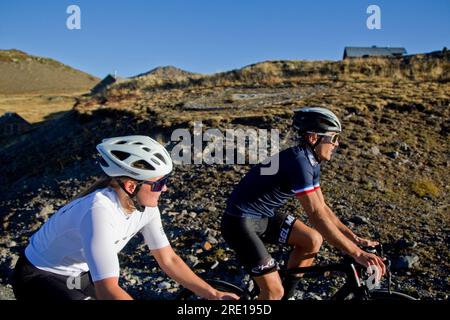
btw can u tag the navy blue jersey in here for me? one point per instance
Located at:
(258, 195)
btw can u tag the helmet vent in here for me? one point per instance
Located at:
(156, 161)
(325, 122)
(121, 142)
(146, 149)
(142, 164)
(160, 157)
(120, 155)
(138, 143)
(103, 163)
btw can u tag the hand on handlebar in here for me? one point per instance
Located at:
(367, 259)
(361, 242)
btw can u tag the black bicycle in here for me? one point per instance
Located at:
(357, 286)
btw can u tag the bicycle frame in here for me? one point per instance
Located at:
(352, 285)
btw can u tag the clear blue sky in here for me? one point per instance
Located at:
(209, 36)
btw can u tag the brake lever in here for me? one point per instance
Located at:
(379, 249)
(387, 263)
(389, 274)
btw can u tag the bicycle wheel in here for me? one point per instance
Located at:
(384, 295)
(187, 294)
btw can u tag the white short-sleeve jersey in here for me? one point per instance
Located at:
(87, 233)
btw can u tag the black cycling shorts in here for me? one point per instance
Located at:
(31, 283)
(246, 236)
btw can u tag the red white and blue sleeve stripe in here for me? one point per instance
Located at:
(307, 189)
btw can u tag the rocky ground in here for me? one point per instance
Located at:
(388, 180)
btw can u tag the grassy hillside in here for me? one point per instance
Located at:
(23, 73)
(39, 88)
(422, 67)
(388, 180)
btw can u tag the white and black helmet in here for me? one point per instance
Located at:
(137, 157)
(316, 119)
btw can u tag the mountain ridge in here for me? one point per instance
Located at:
(22, 73)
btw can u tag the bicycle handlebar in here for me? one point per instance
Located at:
(347, 265)
(378, 250)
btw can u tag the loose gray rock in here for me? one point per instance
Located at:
(404, 146)
(359, 220)
(311, 295)
(375, 151)
(6, 293)
(164, 285)
(192, 260)
(393, 154)
(405, 262)
(404, 244)
(212, 240)
(46, 211)
(11, 244)
(192, 214)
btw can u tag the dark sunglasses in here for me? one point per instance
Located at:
(158, 185)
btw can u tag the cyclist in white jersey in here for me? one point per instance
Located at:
(74, 254)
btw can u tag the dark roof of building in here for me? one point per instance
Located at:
(105, 82)
(372, 51)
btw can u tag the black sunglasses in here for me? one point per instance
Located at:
(158, 185)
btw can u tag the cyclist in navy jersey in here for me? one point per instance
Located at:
(252, 217)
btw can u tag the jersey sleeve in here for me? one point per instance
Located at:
(303, 177)
(316, 178)
(153, 232)
(98, 244)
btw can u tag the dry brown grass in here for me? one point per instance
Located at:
(295, 72)
(425, 187)
(36, 108)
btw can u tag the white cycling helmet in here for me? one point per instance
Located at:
(137, 157)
